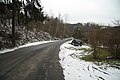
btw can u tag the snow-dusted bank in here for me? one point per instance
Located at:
(26, 45)
(76, 69)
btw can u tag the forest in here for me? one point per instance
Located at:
(23, 21)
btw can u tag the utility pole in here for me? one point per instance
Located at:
(13, 23)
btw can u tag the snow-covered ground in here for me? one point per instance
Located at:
(76, 69)
(26, 45)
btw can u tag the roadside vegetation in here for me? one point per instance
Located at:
(103, 40)
(106, 39)
(24, 21)
(104, 57)
(101, 55)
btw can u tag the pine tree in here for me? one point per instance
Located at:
(77, 33)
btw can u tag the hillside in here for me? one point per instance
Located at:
(23, 36)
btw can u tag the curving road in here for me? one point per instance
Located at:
(39, 62)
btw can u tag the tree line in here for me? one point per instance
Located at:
(100, 36)
(107, 38)
(17, 16)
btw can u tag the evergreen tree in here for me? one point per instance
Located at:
(34, 11)
(20, 13)
(77, 33)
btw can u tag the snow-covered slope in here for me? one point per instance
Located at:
(23, 36)
(76, 69)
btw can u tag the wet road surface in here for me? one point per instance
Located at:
(39, 62)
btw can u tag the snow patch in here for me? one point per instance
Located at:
(76, 69)
(26, 45)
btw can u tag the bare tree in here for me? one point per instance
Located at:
(116, 22)
(93, 39)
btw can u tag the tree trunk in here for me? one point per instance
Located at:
(13, 24)
(94, 53)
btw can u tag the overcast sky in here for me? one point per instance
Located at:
(74, 11)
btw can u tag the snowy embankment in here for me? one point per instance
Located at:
(26, 45)
(76, 69)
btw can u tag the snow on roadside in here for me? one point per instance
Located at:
(26, 45)
(76, 69)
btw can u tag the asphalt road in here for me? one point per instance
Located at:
(39, 62)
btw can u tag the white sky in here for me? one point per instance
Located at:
(73, 11)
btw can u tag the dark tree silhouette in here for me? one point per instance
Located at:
(21, 14)
(13, 22)
(77, 33)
